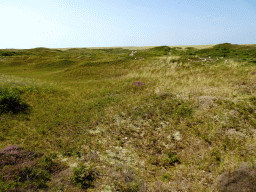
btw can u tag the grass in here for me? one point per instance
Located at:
(165, 119)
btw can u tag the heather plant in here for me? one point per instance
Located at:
(138, 83)
(13, 154)
(21, 169)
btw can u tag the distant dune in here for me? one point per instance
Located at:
(140, 47)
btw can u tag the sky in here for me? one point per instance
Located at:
(29, 24)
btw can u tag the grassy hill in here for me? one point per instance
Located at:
(164, 119)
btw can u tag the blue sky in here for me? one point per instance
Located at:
(106, 23)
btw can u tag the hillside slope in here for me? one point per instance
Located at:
(163, 119)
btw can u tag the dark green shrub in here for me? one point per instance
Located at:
(7, 53)
(170, 160)
(10, 101)
(83, 177)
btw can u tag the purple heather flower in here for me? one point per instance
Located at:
(10, 149)
(138, 83)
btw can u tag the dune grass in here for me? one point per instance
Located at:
(164, 119)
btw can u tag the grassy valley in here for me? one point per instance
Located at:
(128, 119)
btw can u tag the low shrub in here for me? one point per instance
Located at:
(8, 53)
(23, 170)
(83, 177)
(10, 101)
(170, 160)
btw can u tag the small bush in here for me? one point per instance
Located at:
(26, 172)
(10, 101)
(8, 53)
(21, 169)
(171, 160)
(83, 177)
(13, 155)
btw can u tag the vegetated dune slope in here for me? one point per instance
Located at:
(166, 118)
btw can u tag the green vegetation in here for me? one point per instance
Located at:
(83, 177)
(25, 170)
(113, 119)
(10, 101)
